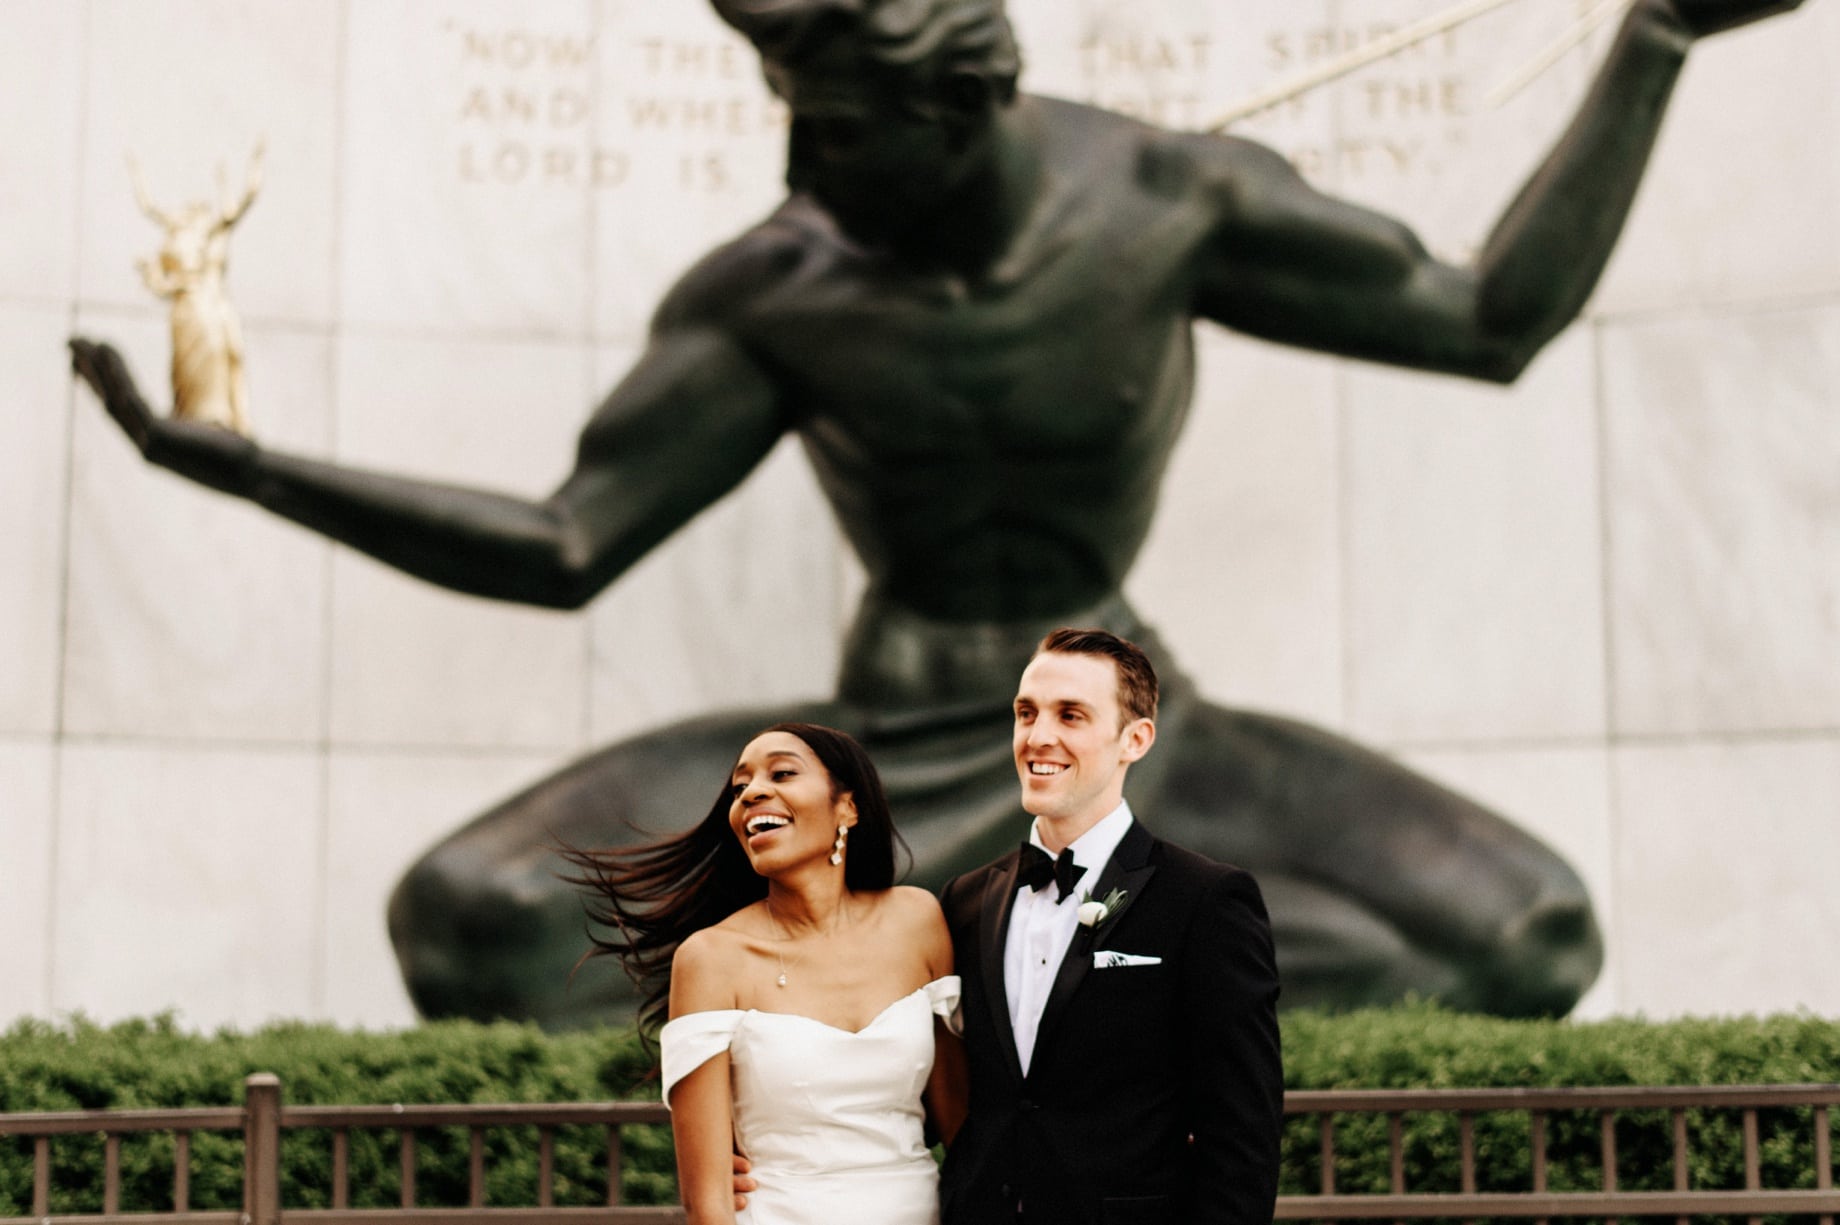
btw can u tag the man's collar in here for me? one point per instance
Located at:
(1092, 848)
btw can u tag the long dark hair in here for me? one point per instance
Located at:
(645, 900)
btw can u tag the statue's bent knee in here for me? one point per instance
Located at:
(483, 938)
(1549, 954)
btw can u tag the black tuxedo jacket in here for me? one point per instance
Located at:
(1155, 1092)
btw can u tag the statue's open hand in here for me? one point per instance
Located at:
(103, 369)
(1703, 17)
(205, 453)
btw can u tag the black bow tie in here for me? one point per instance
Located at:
(1040, 869)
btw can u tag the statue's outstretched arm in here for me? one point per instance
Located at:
(1299, 267)
(691, 419)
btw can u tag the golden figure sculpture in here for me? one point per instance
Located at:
(208, 380)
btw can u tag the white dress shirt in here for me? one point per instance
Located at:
(1041, 929)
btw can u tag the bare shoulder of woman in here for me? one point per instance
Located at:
(919, 923)
(703, 971)
(915, 903)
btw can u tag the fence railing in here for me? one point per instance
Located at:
(263, 1119)
(1539, 1106)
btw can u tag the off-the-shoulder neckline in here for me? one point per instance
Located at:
(799, 1016)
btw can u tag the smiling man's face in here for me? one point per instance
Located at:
(1072, 743)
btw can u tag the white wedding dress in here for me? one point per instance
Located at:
(830, 1119)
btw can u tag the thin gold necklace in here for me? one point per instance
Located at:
(785, 934)
(784, 939)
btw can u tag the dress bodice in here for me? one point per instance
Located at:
(830, 1118)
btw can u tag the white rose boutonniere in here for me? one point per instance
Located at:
(1092, 913)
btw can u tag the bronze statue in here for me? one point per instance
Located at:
(208, 379)
(975, 309)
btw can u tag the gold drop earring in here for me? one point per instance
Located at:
(843, 832)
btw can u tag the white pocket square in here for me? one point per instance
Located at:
(1105, 959)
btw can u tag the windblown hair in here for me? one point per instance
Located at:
(925, 39)
(1137, 686)
(648, 899)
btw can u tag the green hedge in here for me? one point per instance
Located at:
(152, 1064)
(1422, 1047)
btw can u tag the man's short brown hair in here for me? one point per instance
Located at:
(1137, 691)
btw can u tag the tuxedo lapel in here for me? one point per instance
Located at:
(999, 901)
(1127, 870)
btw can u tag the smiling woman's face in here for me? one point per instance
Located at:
(781, 806)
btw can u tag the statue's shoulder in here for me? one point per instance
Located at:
(1224, 167)
(725, 283)
(1091, 139)
(1161, 161)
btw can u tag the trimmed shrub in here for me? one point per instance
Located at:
(153, 1064)
(148, 1064)
(1423, 1047)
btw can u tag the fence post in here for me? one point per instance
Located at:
(262, 1149)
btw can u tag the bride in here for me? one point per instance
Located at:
(807, 995)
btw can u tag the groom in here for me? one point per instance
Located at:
(1119, 992)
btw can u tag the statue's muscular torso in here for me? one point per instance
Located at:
(992, 447)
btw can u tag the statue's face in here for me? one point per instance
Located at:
(187, 248)
(874, 163)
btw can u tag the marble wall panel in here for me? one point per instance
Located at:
(27, 767)
(41, 84)
(414, 664)
(1724, 437)
(744, 605)
(186, 87)
(504, 415)
(33, 468)
(1475, 571)
(384, 810)
(192, 614)
(465, 194)
(188, 879)
(1242, 571)
(1725, 859)
(688, 147)
(1561, 796)
(1740, 199)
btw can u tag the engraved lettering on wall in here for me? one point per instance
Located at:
(1405, 115)
(564, 108)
